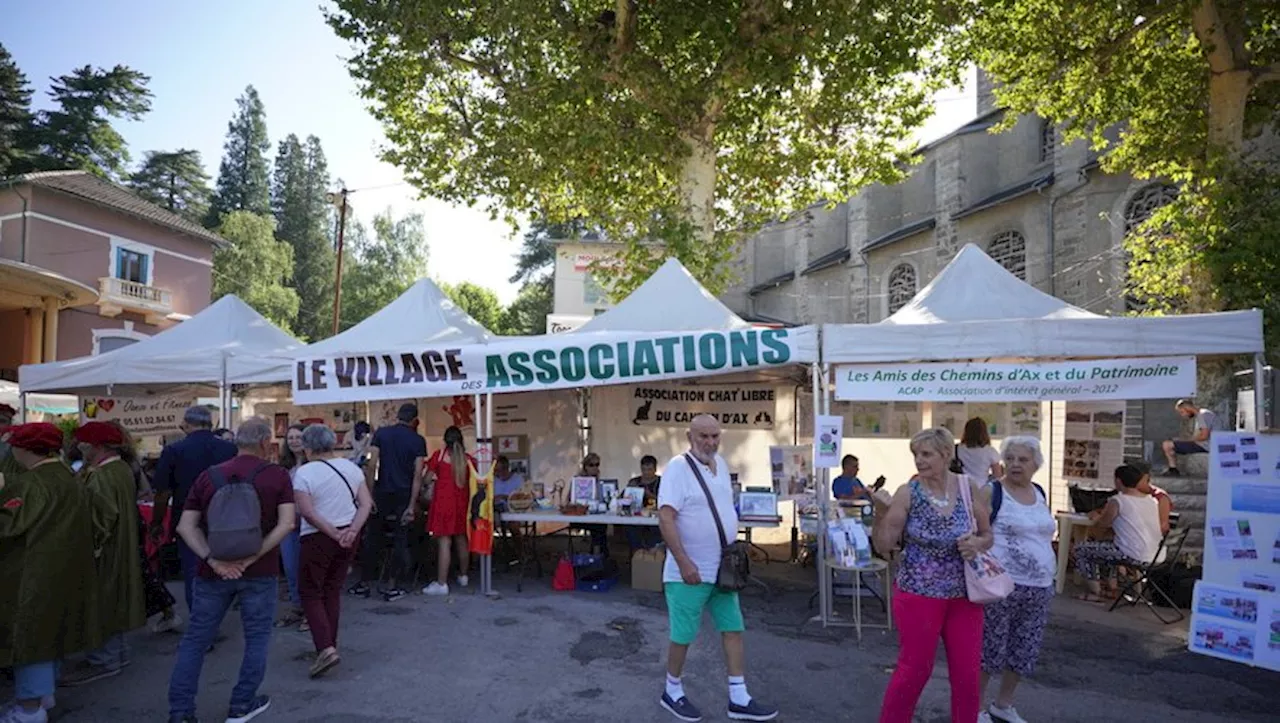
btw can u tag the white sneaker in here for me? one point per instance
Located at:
(435, 589)
(463, 580)
(985, 717)
(165, 625)
(16, 714)
(1005, 715)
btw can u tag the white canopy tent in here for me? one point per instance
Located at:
(43, 403)
(227, 343)
(669, 300)
(976, 309)
(421, 315)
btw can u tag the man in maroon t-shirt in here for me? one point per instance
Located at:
(219, 582)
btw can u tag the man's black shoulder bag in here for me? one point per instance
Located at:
(735, 564)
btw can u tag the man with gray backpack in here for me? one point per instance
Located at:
(234, 519)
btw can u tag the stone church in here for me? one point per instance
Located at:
(1043, 209)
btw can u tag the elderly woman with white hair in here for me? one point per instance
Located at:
(1023, 526)
(334, 504)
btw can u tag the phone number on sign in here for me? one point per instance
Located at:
(149, 421)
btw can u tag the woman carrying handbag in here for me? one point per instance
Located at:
(943, 530)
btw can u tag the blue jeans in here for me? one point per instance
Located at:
(113, 654)
(34, 681)
(190, 568)
(291, 560)
(212, 599)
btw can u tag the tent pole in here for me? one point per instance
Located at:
(824, 577)
(486, 562)
(22, 402)
(1260, 394)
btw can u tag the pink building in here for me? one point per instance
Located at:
(87, 266)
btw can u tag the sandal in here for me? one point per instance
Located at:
(324, 663)
(1091, 598)
(304, 627)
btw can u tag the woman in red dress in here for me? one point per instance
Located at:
(449, 471)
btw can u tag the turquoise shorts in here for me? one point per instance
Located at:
(685, 604)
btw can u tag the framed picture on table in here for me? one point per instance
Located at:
(282, 424)
(583, 489)
(758, 506)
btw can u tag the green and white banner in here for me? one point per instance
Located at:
(1145, 378)
(547, 362)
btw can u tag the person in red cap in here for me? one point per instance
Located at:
(112, 495)
(47, 610)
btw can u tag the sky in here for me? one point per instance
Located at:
(201, 55)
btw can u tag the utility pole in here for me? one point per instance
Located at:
(339, 199)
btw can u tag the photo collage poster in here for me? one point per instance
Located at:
(1236, 608)
(1093, 443)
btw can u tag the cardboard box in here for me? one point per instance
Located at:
(646, 569)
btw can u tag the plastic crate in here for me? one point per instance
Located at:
(583, 559)
(604, 585)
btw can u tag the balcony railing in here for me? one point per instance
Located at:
(120, 295)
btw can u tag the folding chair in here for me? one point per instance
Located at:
(1142, 589)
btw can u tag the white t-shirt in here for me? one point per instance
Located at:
(1024, 540)
(977, 461)
(331, 493)
(1137, 527)
(681, 492)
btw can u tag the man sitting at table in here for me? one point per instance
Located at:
(847, 486)
(643, 538)
(505, 482)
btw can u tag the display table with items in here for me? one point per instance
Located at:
(849, 556)
(544, 523)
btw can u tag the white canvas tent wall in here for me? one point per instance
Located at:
(421, 315)
(976, 309)
(227, 343)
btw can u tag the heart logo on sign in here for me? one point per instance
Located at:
(106, 404)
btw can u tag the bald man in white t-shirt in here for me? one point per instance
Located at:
(693, 558)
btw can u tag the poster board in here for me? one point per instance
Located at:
(1236, 608)
(791, 466)
(1093, 442)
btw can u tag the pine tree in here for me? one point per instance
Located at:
(300, 182)
(174, 180)
(78, 134)
(15, 117)
(244, 182)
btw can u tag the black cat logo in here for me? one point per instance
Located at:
(642, 414)
(764, 419)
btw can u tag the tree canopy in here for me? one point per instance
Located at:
(15, 116)
(256, 267)
(244, 183)
(175, 180)
(1172, 90)
(674, 127)
(480, 303)
(380, 267)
